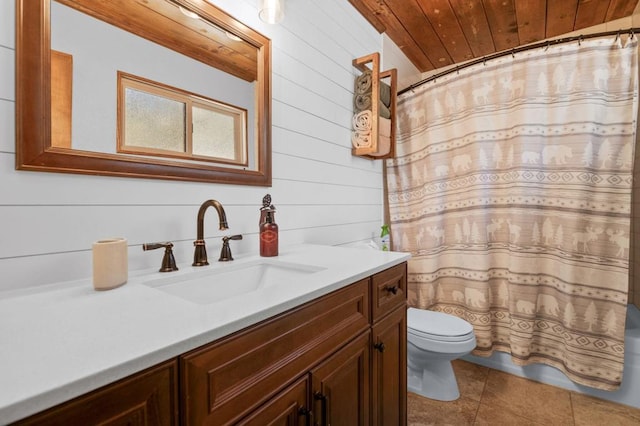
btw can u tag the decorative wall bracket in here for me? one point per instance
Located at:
(374, 105)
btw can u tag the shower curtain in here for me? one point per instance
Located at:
(511, 188)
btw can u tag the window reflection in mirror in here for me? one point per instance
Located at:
(155, 119)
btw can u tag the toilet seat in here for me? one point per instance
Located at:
(438, 326)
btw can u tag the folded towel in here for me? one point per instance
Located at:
(384, 147)
(362, 121)
(363, 83)
(385, 94)
(361, 139)
(362, 102)
(384, 127)
(383, 111)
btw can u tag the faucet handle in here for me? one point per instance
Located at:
(168, 261)
(225, 253)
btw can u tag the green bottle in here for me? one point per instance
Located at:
(384, 237)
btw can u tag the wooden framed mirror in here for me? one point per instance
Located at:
(191, 28)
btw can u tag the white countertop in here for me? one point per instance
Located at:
(64, 340)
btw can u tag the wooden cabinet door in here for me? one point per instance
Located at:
(289, 408)
(389, 369)
(340, 386)
(146, 398)
(227, 380)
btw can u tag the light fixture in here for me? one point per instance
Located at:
(232, 36)
(271, 11)
(188, 13)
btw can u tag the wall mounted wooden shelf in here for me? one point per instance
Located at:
(374, 103)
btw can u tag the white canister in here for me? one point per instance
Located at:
(110, 263)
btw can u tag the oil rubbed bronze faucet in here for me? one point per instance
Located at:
(200, 254)
(168, 260)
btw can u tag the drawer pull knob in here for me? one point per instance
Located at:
(393, 289)
(379, 346)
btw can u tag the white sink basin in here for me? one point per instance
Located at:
(213, 285)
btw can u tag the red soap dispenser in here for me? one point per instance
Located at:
(269, 234)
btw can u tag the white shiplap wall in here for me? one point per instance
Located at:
(324, 195)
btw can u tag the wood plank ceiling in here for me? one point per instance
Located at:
(437, 33)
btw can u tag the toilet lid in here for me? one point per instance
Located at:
(439, 325)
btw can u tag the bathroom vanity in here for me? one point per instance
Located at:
(329, 349)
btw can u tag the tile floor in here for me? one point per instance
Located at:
(491, 397)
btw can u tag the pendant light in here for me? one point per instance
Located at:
(271, 11)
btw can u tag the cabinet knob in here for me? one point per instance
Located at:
(393, 289)
(379, 346)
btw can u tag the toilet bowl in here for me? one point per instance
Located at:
(434, 339)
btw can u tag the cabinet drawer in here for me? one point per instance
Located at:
(224, 381)
(388, 290)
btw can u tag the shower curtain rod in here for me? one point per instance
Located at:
(513, 51)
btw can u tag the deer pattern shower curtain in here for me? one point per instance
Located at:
(512, 190)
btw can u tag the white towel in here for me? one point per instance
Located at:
(362, 121)
(361, 139)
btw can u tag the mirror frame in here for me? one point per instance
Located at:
(33, 109)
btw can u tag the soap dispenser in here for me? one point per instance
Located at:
(268, 231)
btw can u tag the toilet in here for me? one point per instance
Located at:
(434, 339)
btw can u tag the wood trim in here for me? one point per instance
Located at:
(369, 15)
(61, 99)
(33, 110)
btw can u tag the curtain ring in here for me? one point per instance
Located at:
(513, 53)
(484, 61)
(631, 33)
(548, 44)
(617, 36)
(457, 70)
(580, 40)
